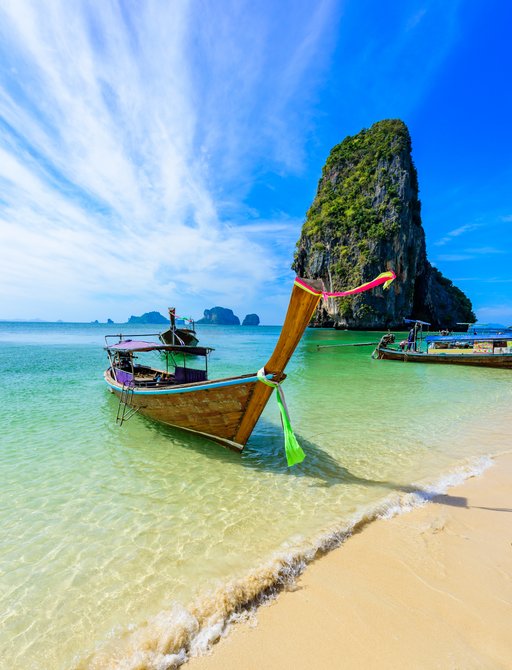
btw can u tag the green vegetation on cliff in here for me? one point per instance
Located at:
(366, 218)
(357, 189)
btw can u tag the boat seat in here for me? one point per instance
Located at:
(188, 375)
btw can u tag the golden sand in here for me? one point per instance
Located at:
(428, 589)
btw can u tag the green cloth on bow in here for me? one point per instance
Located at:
(293, 450)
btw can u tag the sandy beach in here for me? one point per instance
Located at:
(431, 588)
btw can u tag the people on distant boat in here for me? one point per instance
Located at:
(387, 339)
(411, 340)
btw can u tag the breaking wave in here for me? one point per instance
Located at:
(171, 637)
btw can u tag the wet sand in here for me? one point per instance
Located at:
(428, 589)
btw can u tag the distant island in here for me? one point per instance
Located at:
(251, 320)
(149, 317)
(219, 316)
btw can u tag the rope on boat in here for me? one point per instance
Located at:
(384, 278)
(293, 450)
(184, 318)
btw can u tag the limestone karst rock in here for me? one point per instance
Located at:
(149, 317)
(251, 320)
(220, 316)
(366, 218)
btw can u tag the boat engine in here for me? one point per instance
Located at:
(386, 339)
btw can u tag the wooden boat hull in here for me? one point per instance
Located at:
(480, 360)
(225, 410)
(213, 408)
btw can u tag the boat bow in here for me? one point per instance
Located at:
(303, 302)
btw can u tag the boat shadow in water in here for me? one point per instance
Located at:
(265, 453)
(327, 471)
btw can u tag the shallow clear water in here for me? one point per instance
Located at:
(110, 536)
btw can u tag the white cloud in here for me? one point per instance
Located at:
(468, 254)
(485, 250)
(454, 257)
(457, 232)
(501, 313)
(416, 19)
(128, 144)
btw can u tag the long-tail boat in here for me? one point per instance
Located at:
(484, 349)
(224, 410)
(173, 335)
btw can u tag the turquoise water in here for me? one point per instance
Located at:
(121, 545)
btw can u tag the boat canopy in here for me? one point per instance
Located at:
(422, 323)
(141, 345)
(467, 337)
(478, 328)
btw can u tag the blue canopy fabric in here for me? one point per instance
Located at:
(423, 323)
(468, 337)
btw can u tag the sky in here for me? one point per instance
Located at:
(165, 152)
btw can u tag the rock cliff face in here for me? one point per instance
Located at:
(366, 218)
(220, 316)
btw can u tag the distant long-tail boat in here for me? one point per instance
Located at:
(225, 410)
(481, 349)
(183, 335)
(491, 351)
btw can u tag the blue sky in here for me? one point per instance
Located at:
(165, 152)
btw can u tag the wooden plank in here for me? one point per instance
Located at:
(300, 310)
(215, 411)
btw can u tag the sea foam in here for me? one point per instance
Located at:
(171, 637)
